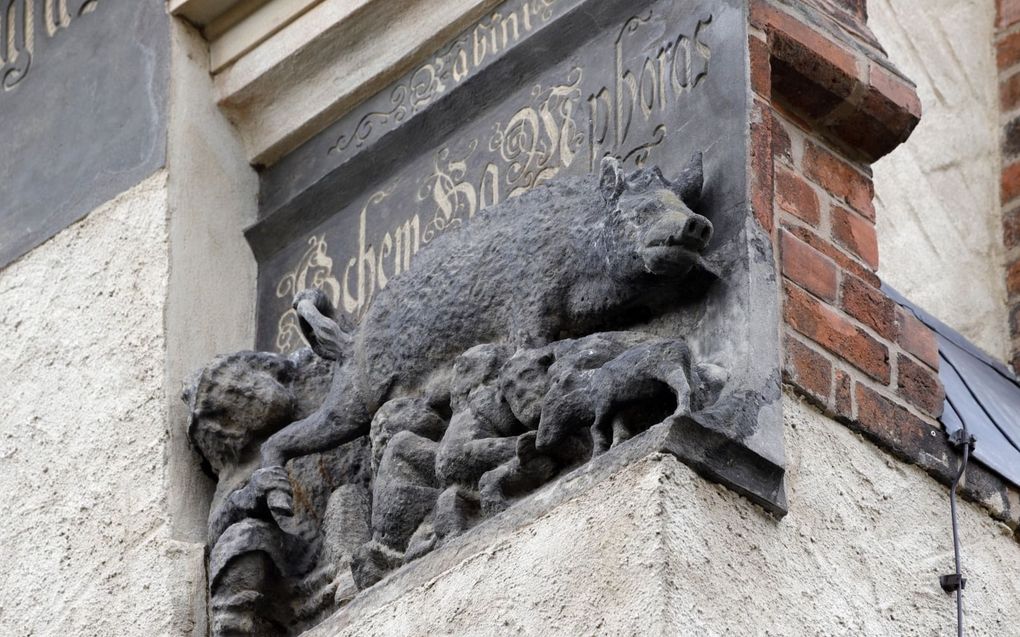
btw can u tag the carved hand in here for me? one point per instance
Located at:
(272, 484)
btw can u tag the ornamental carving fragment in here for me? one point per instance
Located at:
(515, 349)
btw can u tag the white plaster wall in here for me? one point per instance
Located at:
(85, 542)
(658, 551)
(937, 195)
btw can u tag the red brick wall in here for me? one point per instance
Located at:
(1007, 47)
(848, 348)
(827, 104)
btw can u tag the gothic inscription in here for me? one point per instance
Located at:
(26, 25)
(565, 124)
(83, 88)
(531, 251)
(502, 29)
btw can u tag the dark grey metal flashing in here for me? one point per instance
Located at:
(948, 333)
(83, 113)
(981, 394)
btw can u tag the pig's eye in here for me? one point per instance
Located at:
(648, 208)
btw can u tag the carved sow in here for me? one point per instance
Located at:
(566, 259)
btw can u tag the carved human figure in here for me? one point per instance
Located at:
(404, 434)
(427, 473)
(570, 258)
(523, 384)
(234, 404)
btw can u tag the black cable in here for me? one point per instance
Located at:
(956, 581)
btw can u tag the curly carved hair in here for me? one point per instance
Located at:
(236, 400)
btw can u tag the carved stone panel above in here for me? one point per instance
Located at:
(537, 91)
(532, 252)
(83, 102)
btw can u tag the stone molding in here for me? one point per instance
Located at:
(852, 95)
(278, 71)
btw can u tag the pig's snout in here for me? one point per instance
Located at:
(673, 243)
(696, 233)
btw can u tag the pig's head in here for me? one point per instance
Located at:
(652, 218)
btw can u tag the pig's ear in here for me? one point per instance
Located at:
(688, 185)
(611, 179)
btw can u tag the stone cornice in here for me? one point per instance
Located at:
(845, 87)
(285, 69)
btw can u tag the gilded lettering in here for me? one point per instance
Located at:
(626, 95)
(385, 248)
(538, 141)
(363, 265)
(461, 68)
(681, 64)
(314, 269)
(15, 57)
(460, 59)
(350, 304)
(647, 88)
(488, 189)
(408, 241)
(26, 25)
(600, 107)
(507, 37)
(700, 69)
(480, 45)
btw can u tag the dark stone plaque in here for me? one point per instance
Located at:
(83, 103)
(537, 91)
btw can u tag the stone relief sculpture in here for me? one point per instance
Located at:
(262, 540)
(513, 350)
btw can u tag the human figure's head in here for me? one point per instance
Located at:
(524, 381)
(236, 402)
(473, 368)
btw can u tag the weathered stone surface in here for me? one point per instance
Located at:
(87, 543)
(473, 390)
(535, 91)
(528, 292)
(650, 549)
(265, 523)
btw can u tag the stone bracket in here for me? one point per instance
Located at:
(855, 98)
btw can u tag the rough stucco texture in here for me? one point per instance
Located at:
(938, 194)
(84, 541)
(658, 551)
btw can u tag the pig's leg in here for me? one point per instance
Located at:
(602, 428)
(678, 381)
(341, 418)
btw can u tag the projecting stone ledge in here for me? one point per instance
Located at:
(600, 528)
(586, 556)
(650, 548)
